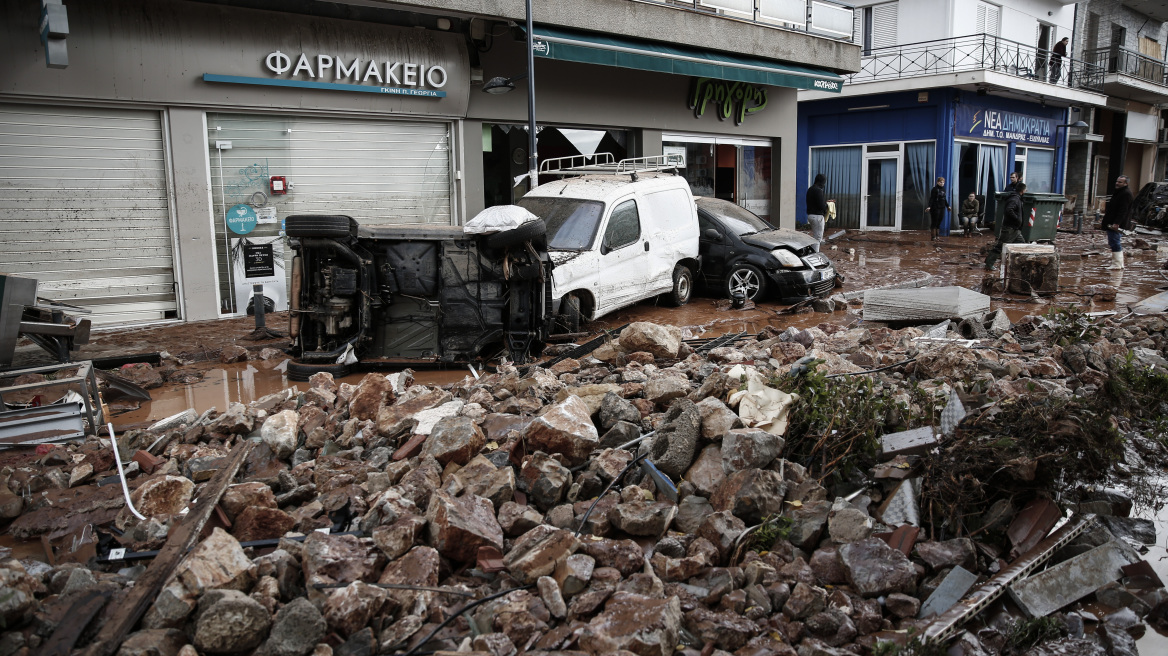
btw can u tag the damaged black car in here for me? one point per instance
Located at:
(411, 295)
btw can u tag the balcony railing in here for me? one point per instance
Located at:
(1128, 62)
(824, 18)
(974, 53)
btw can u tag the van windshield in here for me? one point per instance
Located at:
(571, 223)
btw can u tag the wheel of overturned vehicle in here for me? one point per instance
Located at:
(312, 225)
(300, 371)
(747, 279)
(570, 317)
(682, 286)
(516, 236)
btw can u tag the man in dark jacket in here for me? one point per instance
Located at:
(1115, 218)
(1011, 225)
(817, 208)
(1056, 59)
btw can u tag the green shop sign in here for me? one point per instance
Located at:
(735, 99)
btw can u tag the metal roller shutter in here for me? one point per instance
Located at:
(84, 209)
(378, 172)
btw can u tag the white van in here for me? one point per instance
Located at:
(616, 237)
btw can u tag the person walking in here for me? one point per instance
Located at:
(938, 203)
(1011, 232)
(1056, 59)
(817, 208)
(969, 211)
(1115, 218)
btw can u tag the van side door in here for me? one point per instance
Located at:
(622, 257)
(673, 236)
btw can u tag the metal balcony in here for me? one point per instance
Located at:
(1129, 74)
(823, 18)
(979, 52)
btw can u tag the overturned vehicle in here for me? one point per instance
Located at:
(408, 295)
(1150, 207)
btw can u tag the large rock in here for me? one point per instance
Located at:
(624, 556)
(565, 428)
(348, 610)
(807, 523)
(454, 439)
(279, 432)
(707, 473)
(256, 523)
(230, 622)
(401, 417)
(459, 526)
(660, 341)
(396, 539)
(722, 530)
(676, 440)
(239, 497)
(163, 495)
(717, 419)
(663, 389)
(950, 553)
(642, 518)
(876, 569)
(613, 408)
(538, 552)
(545, 480)
(372, 392)
(637, 624)
(751, 494)
(340, 559)
(19, 598)
(749, 448)
(691, 512)
(153, 642)
(418, 567)
(217, 562)
(296, 631)
(727, 631)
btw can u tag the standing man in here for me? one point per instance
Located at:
(817, 208)
(1056, 59)
(1014, 180)
(1011, 225)
(938, 203)
(1115, 218)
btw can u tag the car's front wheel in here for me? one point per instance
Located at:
(748, 280)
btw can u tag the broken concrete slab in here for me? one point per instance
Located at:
(910, 442)
(956, 583)
(926, 304)
(1071, 580)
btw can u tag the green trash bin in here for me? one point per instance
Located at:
(1040, 215)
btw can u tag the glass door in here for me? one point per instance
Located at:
(880, 202)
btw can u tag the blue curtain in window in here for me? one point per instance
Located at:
(841, 165)
(991, 176)
(918, 182)
(1039, 170)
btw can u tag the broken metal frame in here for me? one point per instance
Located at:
(85, 380)
(947, 625)
(580, 351)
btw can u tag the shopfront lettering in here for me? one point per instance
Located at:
(329, 67)
(1002, 125)
(737, 99)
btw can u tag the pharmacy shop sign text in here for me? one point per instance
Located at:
(999, 125)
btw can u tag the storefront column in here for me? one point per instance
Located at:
(194, 239)
(787, 149)
(650, 144)
(472, 169)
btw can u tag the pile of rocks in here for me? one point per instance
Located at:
(389, 505)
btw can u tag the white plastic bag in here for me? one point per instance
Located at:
(498, 219)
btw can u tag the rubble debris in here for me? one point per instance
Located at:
(755, 497)
(1072, 579)
(1031, 268)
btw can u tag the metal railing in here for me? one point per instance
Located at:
(1128, 62)
(824, 18)
(977, 52)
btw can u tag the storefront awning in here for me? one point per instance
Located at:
(589, 48)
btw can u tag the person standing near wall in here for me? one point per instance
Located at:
(938, 203)
(817, 207)
(1115, 218)
(1011, 232)
(1056, 59)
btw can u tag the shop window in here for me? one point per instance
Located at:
(1039, 170)
(505, 154)
(730, 169)
(842, 167)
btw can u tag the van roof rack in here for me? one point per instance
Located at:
(606, 163)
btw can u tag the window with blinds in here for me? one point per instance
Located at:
(989, 19)
(883, 25)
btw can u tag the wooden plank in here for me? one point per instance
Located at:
(180, 541)
(79, 616)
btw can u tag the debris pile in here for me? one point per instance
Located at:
(818, 492)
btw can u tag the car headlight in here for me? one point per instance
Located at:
(786, 258)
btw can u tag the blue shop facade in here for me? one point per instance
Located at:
(882, 153)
